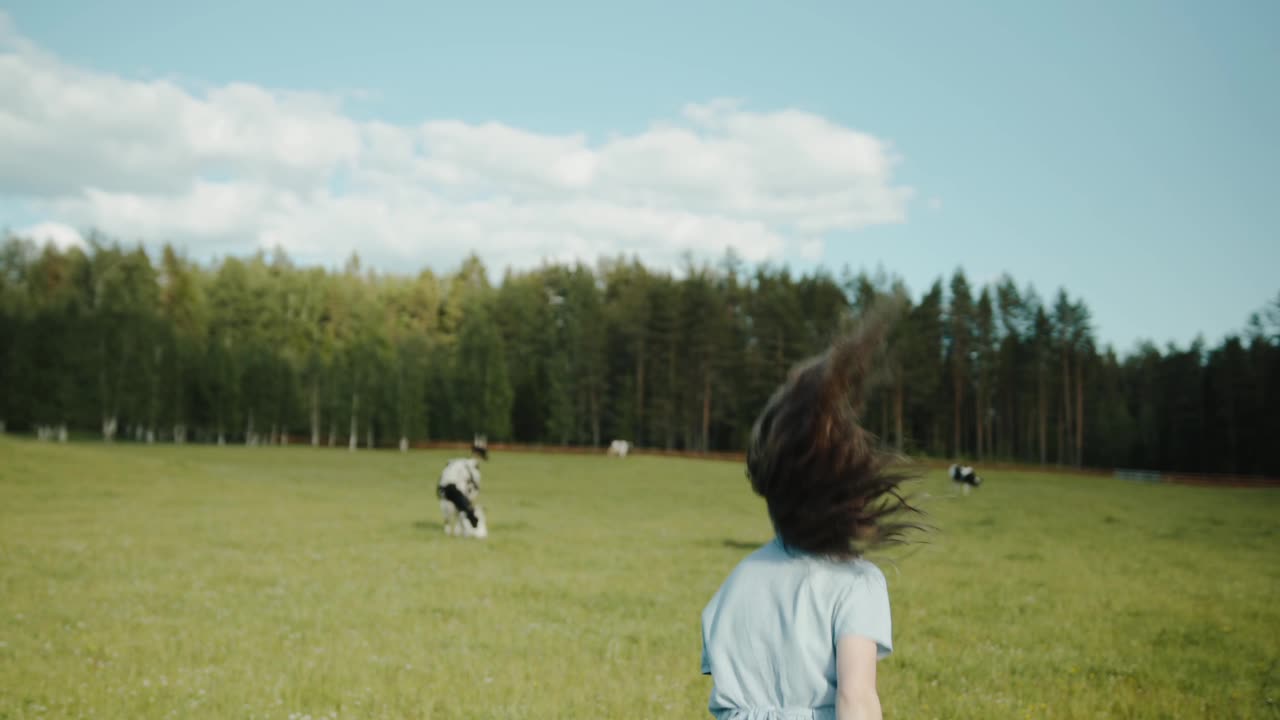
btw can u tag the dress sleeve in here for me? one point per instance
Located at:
(708, 615)
(862, 608)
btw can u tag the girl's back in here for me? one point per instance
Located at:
(769, 634)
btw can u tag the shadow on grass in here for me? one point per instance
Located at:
(436, 526)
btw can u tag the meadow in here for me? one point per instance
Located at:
(207, 582)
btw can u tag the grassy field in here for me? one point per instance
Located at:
(157, 582)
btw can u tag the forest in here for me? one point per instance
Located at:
(111, 342)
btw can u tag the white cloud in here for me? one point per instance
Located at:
(60, 235)
(238, 167)
(812, 250)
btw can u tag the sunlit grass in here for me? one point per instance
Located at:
(209, 582)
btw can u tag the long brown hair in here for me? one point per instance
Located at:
(830, 487)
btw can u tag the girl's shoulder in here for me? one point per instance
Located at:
(774, 559)
(857, 571)
(861, 567)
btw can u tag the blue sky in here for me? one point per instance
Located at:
(1124, 151)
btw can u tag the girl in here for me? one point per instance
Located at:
(797, 628)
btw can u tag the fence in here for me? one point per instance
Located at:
(1139, 475)
(1130, 474)
(1152, 476)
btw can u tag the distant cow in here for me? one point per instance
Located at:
(458, 489)
(964, 476)
(619, 448)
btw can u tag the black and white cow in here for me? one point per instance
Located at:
(458, 490)
(964, 476)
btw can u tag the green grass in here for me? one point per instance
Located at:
(154, 582)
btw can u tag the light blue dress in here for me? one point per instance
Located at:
(769, 634)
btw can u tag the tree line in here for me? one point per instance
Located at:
(110, 341)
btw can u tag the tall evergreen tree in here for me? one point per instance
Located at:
(959, 345)
(480, 374)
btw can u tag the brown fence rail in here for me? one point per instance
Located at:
(1215, 480)
(1243, 481)
(1138, 475)
(580, 450)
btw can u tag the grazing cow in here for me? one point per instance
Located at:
(458, 489)
(619, 448)
(964, 476)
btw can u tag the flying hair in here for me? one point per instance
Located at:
(830, 487)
